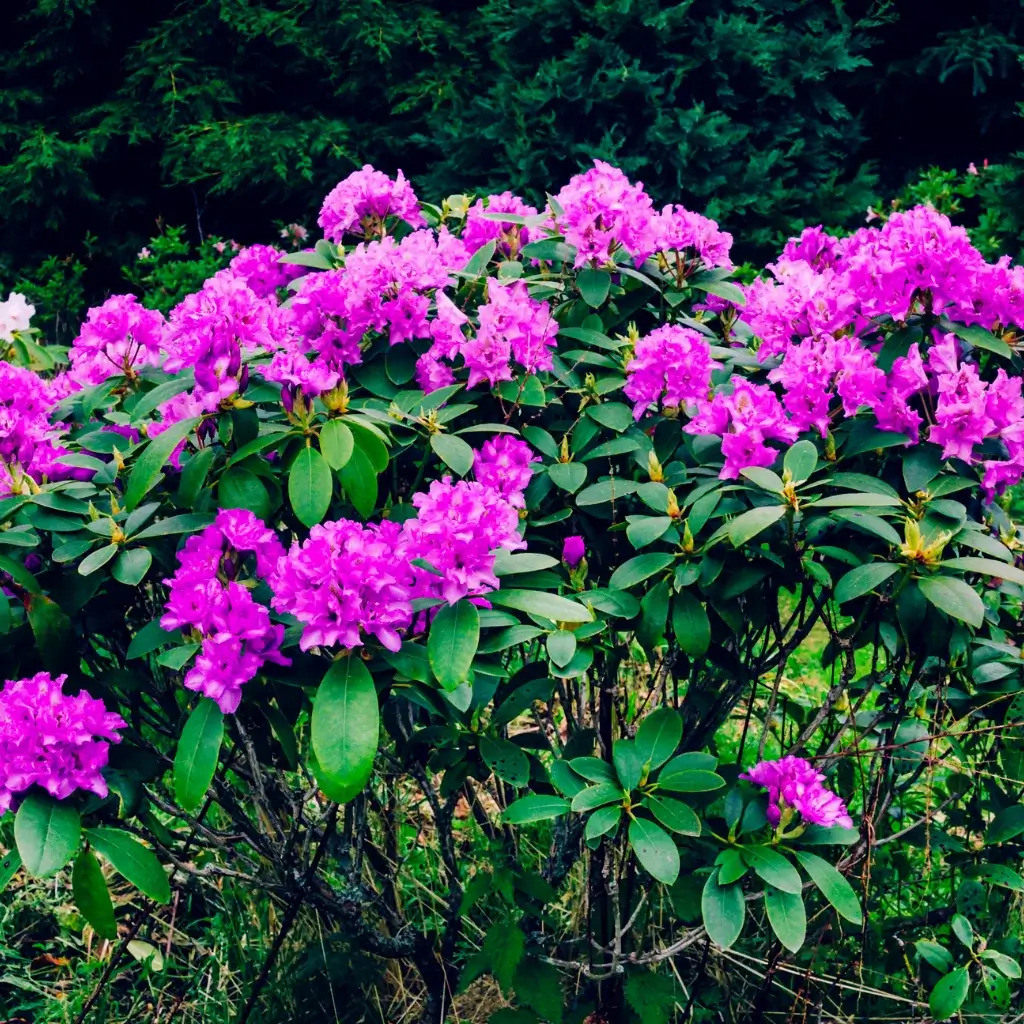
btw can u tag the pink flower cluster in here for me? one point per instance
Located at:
(260, 267)
(821, 316)
(385, 287)
(348, 579)
(605, 213)
(509, 236)
(52, 740)
(116, 340)
(211, 595)
(505, 464)
(514, 329)
(29, 443)
(745, 418)
(360, 203)
(672, 366)
(694, 237)
(792, 783)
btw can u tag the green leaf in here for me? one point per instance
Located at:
(723, 289)
(962, 930)
(453, 452)
(953, 597)
(787, 917)
(675, 815)
(345, 729)
(53, 632)
(602, 821)
(613, 415)
(506, 760)
(658, 736)
(986, 567)
(772, 867)
(137, 863)
(336, 443)
(801, 461)
(690, 624)
(855, 500)
(195, 760)
(651, 996)
(949, 994)
(359, 481)
(561, 646)
(834, 887)
(149, 466)
(539, 986)
(131, 566)
(655, 849)
(723, 909)
(535, 807)
(47, 833)
(594, 769)
(452, 642)
(678, 778)
(89, 888)
(594, 286)
(242, 488)
(189, 522)
(977, 336)
(568, 476)
(10, 865)
(97, 559)
(1000, 874)
(644, 530)
(537, 602)
(863, 579)
(639, 568)
(1006, 825)
(747, 525)
(935, 954)
(629, 763)
(309, 486)
(597, 796)
(1006, 964)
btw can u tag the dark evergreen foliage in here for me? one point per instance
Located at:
(227, 116)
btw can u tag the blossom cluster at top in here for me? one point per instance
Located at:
(52, 740)
(822, 319)
(347, 580)
(794, 785)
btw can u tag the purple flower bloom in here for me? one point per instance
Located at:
(504, 463)
(365, 196)
(573, 551)
(116, 339)
(50, 739)
(206, 596)
(605, 211)
(672, 366)
(793, 783)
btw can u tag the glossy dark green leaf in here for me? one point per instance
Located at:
(309, 486)
(723, 910)
(345, 728)
(787, 916)
(89, 888)
(655, 849)
(452, 642)
(195, 760)
(137, 863)
(47, 833)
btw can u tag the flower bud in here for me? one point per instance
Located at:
(573, 551)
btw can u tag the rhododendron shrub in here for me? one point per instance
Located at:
(526, 512)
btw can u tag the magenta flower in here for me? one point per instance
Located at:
(52, 740)
(792, 783)
(573, 551)
(364, 196)
(207, 597)
(505, 464)
(672, 366)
